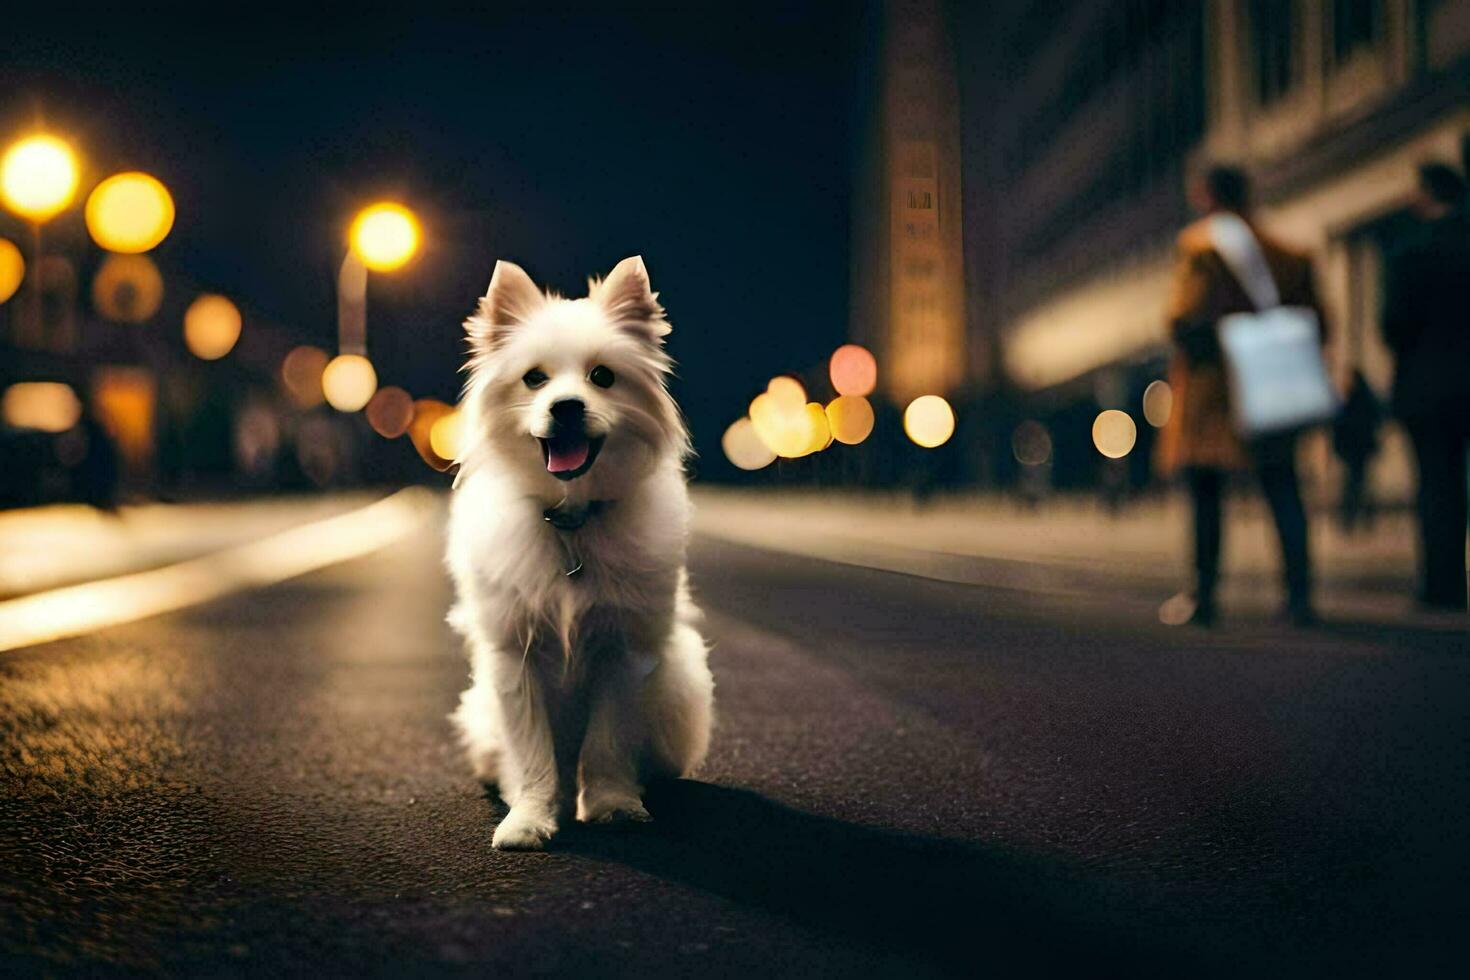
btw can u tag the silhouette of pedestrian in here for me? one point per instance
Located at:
(1200, 439)
(1426, 324)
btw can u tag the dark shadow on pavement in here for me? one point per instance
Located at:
(942, 906)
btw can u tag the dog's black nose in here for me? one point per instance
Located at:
(568, 413)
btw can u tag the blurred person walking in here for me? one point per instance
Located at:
(1200, 440)
(1426, 323)
(1355, 440)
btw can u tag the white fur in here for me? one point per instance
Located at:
(585, 687)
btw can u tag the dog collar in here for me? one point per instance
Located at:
(567, 517)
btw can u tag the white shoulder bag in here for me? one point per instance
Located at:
(1273, 356)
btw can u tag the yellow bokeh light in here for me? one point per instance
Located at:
(348, 382)
(301, 373)
(130, 213)
(12, 269)
(46, 405)
(743, 446)
(211, 327)
(127, 288)
(784, 427)
(853, 370)
(427, 411)
(390, 412)
(385, 236)
(1114, 433)
(786, 391)
(929, 421)
(818, 432)
(1158, 403)
(444, 435)
(38, 177)
(850, 418)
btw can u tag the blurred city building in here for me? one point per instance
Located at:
(1079, 123)
(908, 276)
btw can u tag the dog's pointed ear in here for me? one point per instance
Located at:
(630, 302)
(510, 299)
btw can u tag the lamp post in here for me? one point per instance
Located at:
(383, 237)
(38, 180)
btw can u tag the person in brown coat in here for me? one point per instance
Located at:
(1199, 441)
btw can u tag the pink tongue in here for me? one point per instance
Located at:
(561, 457)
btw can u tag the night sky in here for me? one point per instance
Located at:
(716, 142)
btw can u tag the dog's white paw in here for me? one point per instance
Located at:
(524, 829)
(612, 809)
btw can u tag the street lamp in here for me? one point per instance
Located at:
(38, 177)
(383, 237)
(38, 180)
(130, 213)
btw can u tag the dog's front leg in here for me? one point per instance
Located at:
(613, 747)
(532, 819)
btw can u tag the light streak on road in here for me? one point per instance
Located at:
(79, 609)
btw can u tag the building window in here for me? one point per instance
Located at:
(921, 200)
(1273, 47)
(1355, 24)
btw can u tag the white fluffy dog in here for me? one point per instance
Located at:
(566, 543)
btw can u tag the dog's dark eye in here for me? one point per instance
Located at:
(601, 376)
(535, 378)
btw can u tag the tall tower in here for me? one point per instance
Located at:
(909, 303)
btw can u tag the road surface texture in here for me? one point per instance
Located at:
(909, 776)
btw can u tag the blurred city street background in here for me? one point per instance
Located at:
(917, 256)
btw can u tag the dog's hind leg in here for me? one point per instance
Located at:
(478, 721)
(678, 706)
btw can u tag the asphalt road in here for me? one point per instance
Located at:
(908, 777)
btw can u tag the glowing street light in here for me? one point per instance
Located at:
(211, 327)
(929, 421)
(853, 370)
(349, 382)
(1114, 433)
(382, 238)
(427, 412)
(850, 418)
(385, 236)
(38, 177)
(49, 406)
(130, 213)
(446, 434)
(12, 269)
(743, 446)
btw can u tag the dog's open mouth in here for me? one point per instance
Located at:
(570, 454)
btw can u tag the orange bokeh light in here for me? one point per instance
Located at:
(390, 412)
(853, 370)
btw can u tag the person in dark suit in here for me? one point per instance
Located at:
(1199, 440)
(1426, 323)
